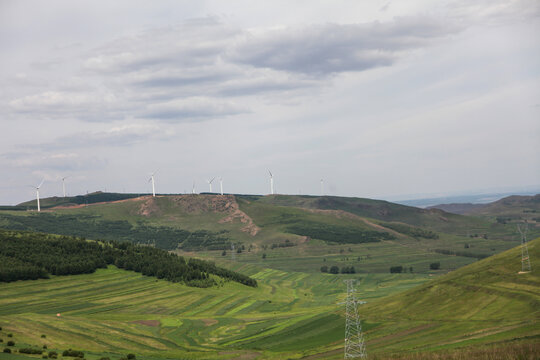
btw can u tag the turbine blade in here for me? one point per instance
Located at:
(41, 183)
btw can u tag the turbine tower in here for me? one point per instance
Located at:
(64, 185)
(221, 185)
(210, 183)
(37, 195)
(153, 183)
(354, 339)
(193, 188)
(271, 183)
(525, 262)
(322, 187)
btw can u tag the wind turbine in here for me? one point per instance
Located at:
(210, 183)
(153, 183)
(271, 182)
(193, 188)
(322, 187)
(64, 185)
(221, 185)
(37, 195)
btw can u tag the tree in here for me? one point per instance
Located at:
(324, 269)
(224, 253)
(334, 270)
(396, 269)
(435, 266)
(410, 269)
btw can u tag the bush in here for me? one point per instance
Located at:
(31, 351)
(324, 269)
(334, 270)
(7, 350)
(435, 266)
(11, 343)
(131, 356)
(44, 346)
(396, 269)
(73, 353)
(105, 358)
(53, 354)
(10, 335)
(43, 336)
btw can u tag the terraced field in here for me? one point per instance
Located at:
(115, 311)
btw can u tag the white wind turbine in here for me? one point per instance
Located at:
(210, 183)
(37, 195)
(221, 185)
(64, 185)
(153, 183)
(271, 182)
(322, 187)
(193, 188)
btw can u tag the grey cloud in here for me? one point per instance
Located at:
(333, 48)
(192, 109)
(52, 161)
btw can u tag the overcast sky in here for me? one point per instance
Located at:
(381, 99)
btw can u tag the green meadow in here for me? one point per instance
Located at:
(476, 298)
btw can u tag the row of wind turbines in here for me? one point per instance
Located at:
(153, 181)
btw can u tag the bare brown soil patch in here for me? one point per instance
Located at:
(209, 322)
(153, 323)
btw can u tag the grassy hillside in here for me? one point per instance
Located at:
(290, 315)
(487, 302)
(291, 233)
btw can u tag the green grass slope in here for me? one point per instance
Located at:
(204, 225)
(488, 302)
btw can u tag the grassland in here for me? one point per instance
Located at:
(290, 315)
(258, 222)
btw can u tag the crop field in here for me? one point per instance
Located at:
(117, 311)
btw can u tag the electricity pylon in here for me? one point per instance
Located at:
(354, 339)
(525, 262)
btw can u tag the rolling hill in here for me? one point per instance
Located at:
(289, 315)
(283, 232)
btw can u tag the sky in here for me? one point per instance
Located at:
(379, 99)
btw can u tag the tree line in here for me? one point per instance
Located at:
(28, 255)
(336, 233)
(94, 227)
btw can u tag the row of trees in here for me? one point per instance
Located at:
(335, 270)
(336, 233)
(27, 255)
(94, 227)
(412, 231)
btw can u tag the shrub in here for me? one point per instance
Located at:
(53, 354)
(31, 351)
(334, 270)
(44, 346)
(104, 358)
(11, 343)
(324, 269)
(10, 335)
(396, 269)
(7, 350)
(73, 353)
(43, 336)
(131, 356)
(435, 266)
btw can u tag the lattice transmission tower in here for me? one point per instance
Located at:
(525, 262)
(354, 339)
